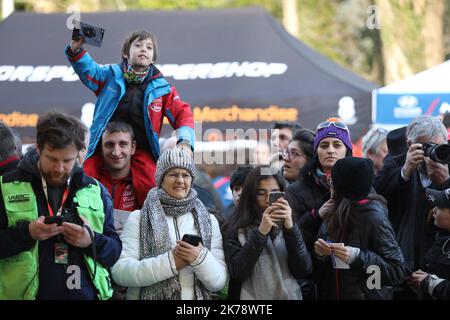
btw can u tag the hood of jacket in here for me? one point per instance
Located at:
(29, 163)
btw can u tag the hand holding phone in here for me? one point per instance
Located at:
(192, 239)
(53, 219)
(273, 197)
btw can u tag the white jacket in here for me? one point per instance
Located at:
(133, 273)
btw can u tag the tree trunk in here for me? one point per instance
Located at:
(412, 36)
(433, 33)
(290, 17)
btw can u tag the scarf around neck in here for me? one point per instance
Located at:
(155, 239)
(321, 178)
(271, 278)
(134, 77)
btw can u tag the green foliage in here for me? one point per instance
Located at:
(272, 6)
(407, 33)
(336, 28)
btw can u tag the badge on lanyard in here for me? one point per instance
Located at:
(61, 253)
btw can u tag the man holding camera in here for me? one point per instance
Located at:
(57, 233)
(403, 181)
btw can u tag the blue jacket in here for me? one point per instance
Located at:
(160, 99)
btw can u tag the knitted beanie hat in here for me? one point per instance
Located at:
(333, 132)
(174, 158)
(353, 177)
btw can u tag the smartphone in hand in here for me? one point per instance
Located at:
(192, 239)
(53, 219)
(274, 196)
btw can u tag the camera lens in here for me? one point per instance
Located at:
(442, 153)
(89, 32)
(437, 153)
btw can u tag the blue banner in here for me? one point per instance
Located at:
(400, 109)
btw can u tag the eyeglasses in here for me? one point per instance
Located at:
(337, 124)
(291, 154)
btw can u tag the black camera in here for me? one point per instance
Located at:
(89, 32)
(68, 215)
(437, 152)
(92, 35)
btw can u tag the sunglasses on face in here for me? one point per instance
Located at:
(337, 124)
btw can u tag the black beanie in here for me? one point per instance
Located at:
(353, 177)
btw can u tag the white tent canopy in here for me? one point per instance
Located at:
(435, 79)
(425, 93)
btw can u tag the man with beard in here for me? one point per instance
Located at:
(57, 236)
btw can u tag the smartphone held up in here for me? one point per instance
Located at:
(273, 197)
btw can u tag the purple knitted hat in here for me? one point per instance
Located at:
(333, 132)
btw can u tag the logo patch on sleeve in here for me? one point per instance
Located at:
(156, 104)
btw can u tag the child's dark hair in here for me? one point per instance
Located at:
(140, 35)
(238, 176)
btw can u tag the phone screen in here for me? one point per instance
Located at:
(192, 239)
(274, 196)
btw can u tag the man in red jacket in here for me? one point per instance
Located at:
(118, 146)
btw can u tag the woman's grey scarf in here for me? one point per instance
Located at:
(271, 278)
(155, 240)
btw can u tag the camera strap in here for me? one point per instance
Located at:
(63, 201)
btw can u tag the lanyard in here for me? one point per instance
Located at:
(64, 197)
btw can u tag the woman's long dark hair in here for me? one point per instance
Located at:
(248, 212)
(344, 216)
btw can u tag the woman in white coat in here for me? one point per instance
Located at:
(155, 264)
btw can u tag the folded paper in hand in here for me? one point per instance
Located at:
(338, 263)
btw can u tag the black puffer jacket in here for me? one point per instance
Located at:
(242, 259)
(374, 236)
(305, 199)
